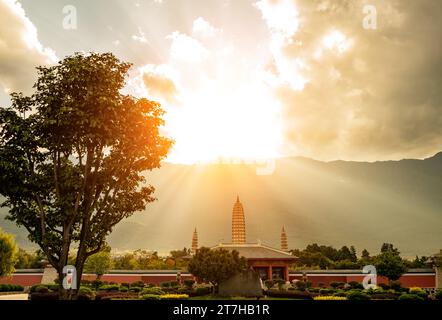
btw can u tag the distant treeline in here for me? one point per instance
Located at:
(314, 256)
(327, 257)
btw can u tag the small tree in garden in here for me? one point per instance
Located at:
(8, 253)
(389, 263)
(216, 265)
(99, 263)
(73, 157)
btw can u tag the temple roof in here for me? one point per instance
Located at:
(254, 251)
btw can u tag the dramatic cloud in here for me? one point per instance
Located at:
(20, 49)
(353, 93)
(203, 28)
(159, 82)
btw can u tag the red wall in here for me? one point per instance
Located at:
(426, 280)
(25, 279)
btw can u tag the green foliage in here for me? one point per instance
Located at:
(109, 287)
(357, 295)
(87, 292)
(396, 285)
(269, 284)
(8, 253)
(326, 291)
(75, 164)
(11, 288)
(216, 265)
(407, 296)
(99, 263)
(135, 289)
(40, 289)
(124, 289)
(301, 285)
(189, 283)
(202, 290)
(389, 264)
(29, 260)
(356, 285)
(337, 284)
(438, 295)
(139, 284)
(153, 290)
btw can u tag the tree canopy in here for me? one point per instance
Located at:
(73, 154)
(216, 265)
(8, 253)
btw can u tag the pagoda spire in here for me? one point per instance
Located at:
(194, 241)
(284, 244)
(238, 223)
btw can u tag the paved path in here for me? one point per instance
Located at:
(20, 296)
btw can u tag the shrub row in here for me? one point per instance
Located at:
(10, 288)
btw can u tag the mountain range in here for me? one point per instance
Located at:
(334, 203)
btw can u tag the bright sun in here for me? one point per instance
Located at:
(213, 126)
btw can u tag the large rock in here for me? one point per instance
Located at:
(246, 284)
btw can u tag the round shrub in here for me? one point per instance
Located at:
(337, 284)
(165, 284)
(41, 289)
(109, 287)
(325, 291)
(407, 296)
(124, 289)
(10, 288)
(438, 295)
(153, 290)
(419, 291)
(357, 295)
(301, 285)
(356, 285)
(189, 283)
(86, 291)
(396, 285)
(203, 290)
(138, 284)
(135, 289)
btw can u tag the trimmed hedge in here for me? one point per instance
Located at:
(11, 288)
(408, 296)
(357, 295)
(154, 290)
(109, 287)
(289, 294)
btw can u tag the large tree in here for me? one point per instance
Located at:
(8, 253)
(99, 263)
(72, 156)
(389, 263)
(216, 265)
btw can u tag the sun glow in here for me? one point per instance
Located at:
(213, 126)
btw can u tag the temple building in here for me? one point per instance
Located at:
(270, 263)
(194, 242)
(238, 223)
(284, 243)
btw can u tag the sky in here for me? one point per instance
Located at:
(346, 79)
